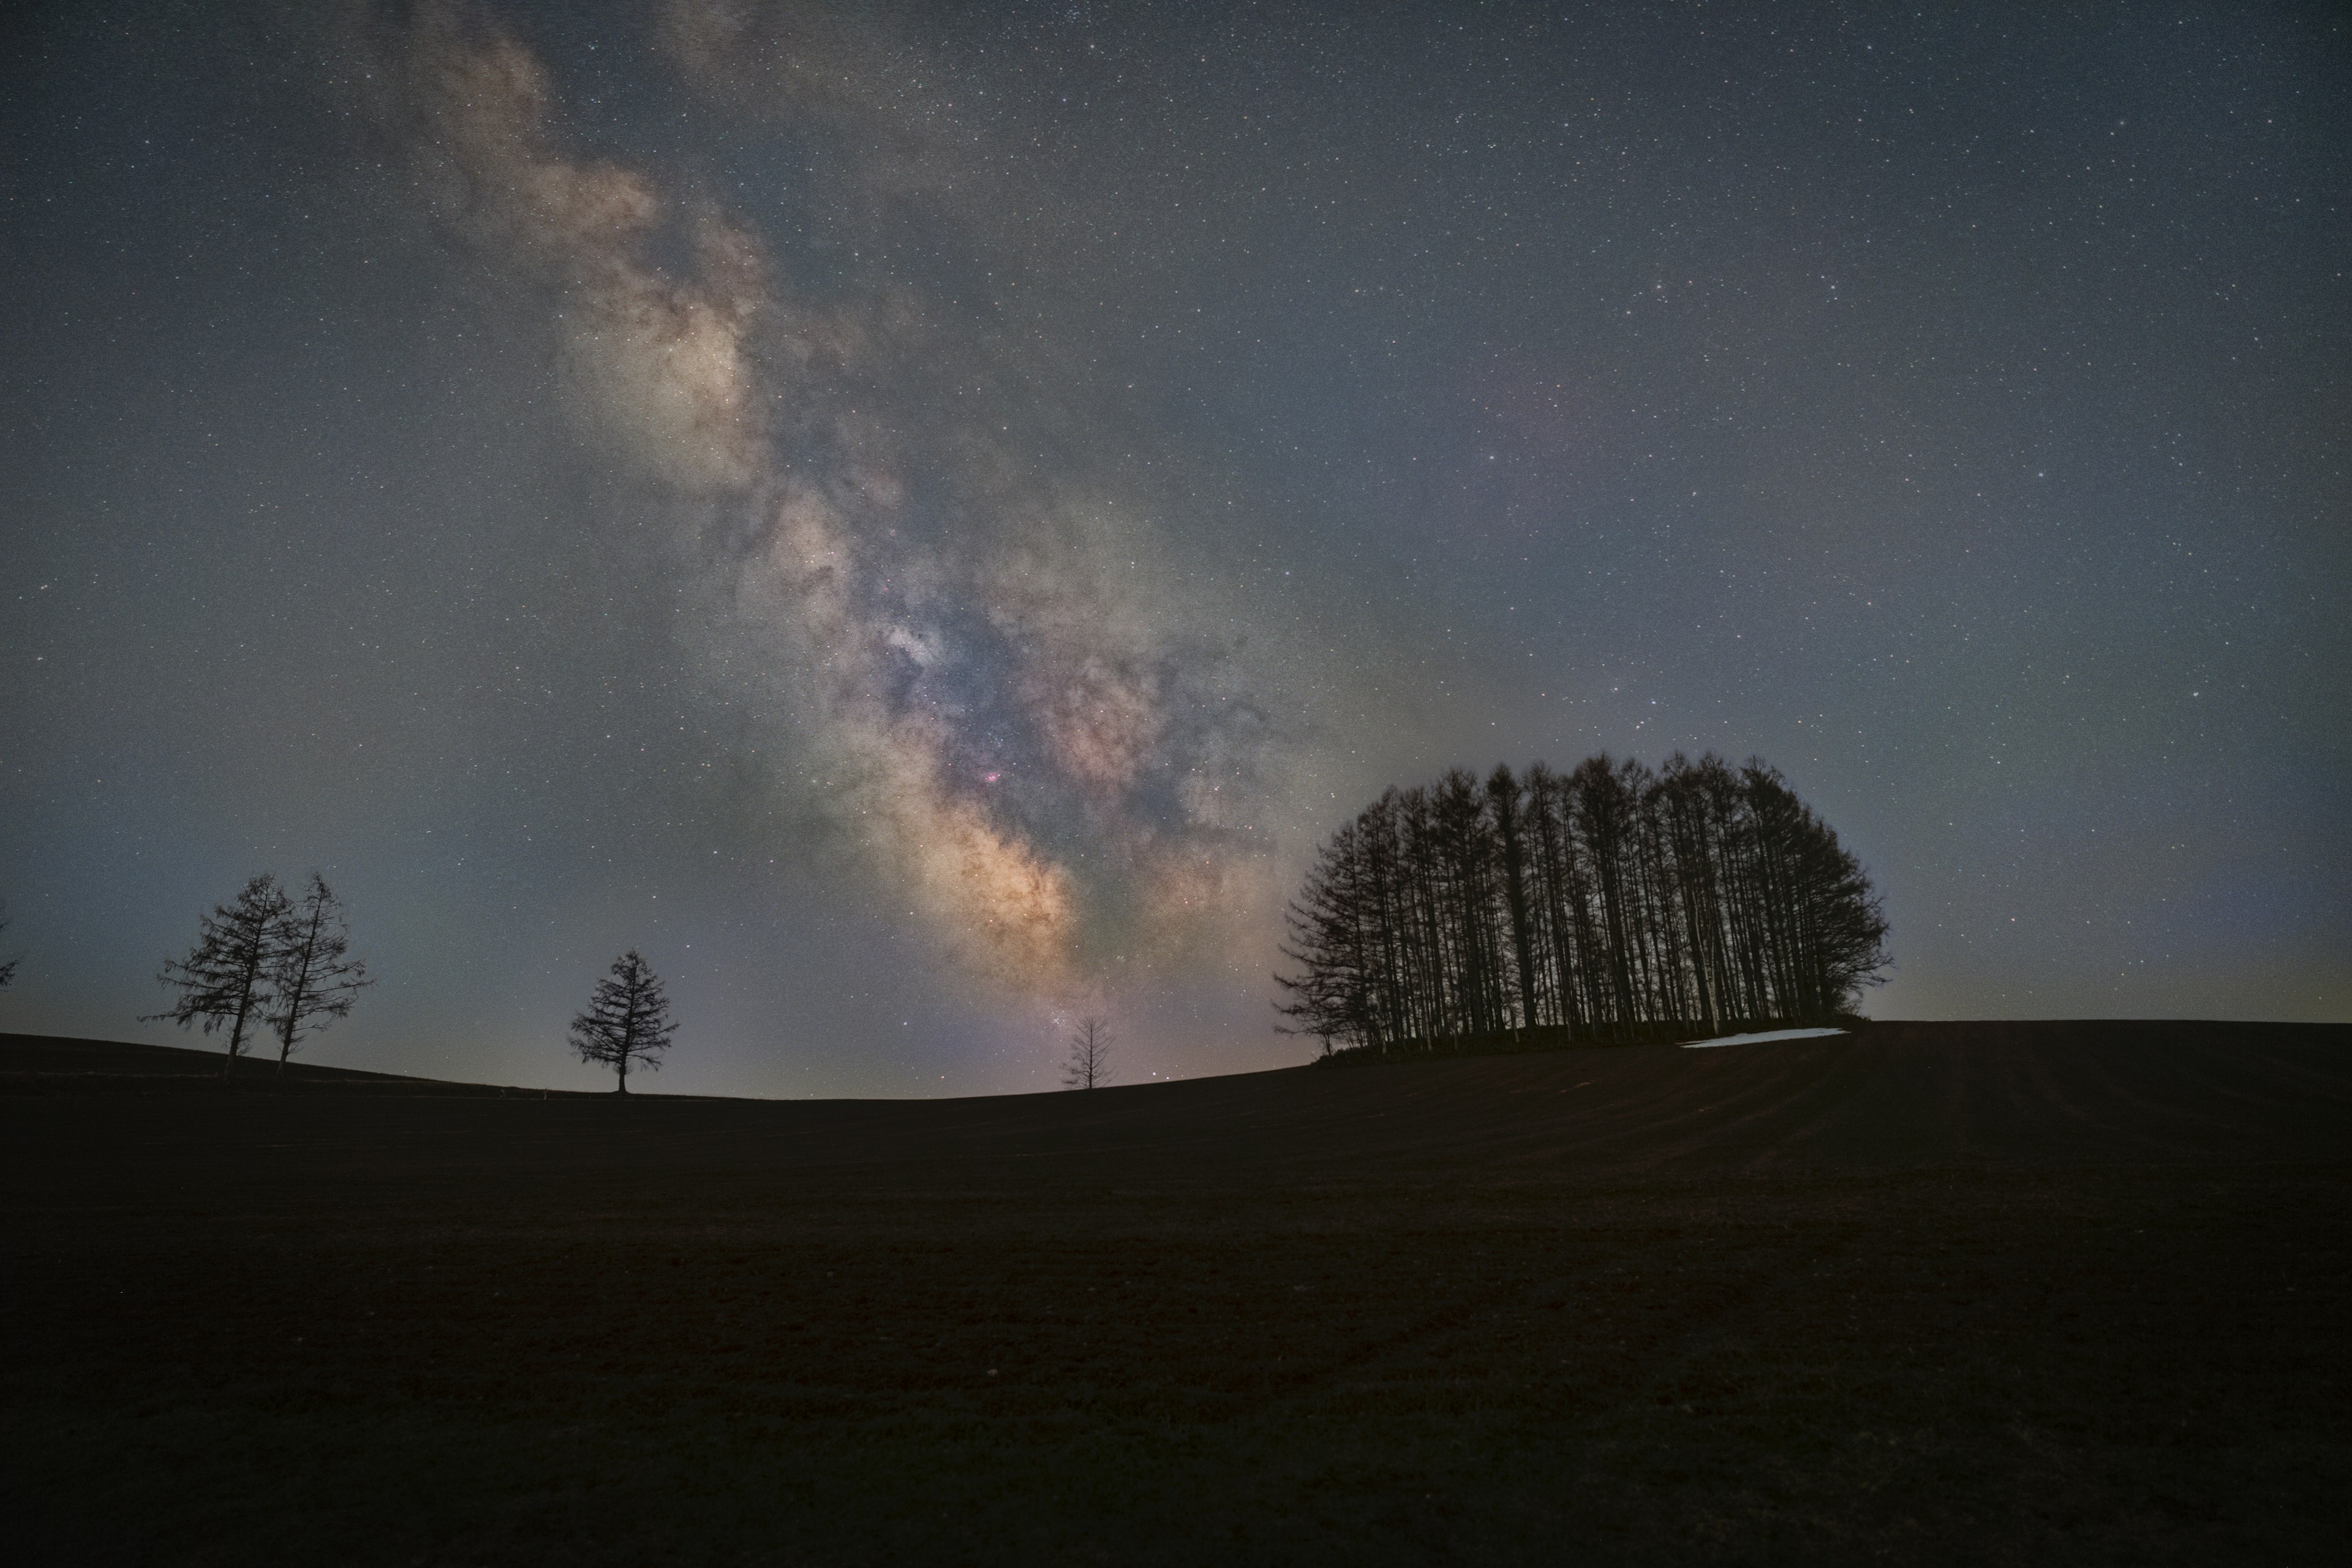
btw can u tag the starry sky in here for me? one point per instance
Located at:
(920, 517)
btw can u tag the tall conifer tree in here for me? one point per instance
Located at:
(314, 980)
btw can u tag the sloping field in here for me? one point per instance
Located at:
(1958, 1292)
(61, 1064)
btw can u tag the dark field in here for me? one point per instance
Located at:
(1942, 1292)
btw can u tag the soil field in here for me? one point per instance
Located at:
(1966, 1293)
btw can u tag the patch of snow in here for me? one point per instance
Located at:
(1753, 1039)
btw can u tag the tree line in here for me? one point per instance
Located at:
(1607, 904)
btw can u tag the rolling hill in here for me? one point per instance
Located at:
(1949, 1292)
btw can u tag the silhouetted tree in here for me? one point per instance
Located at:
(1088, 1065)
(313, 979)
(1333, 995)
(8, 966)
(225, 979)
(1505, 812)
(627, 1020)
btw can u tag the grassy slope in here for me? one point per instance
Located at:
(1960, 1292)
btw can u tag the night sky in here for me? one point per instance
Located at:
(920, 518)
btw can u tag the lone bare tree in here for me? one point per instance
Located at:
(225, 979)
(627, 1020)
(8, 966)
(1088, 1065)
(313, 979)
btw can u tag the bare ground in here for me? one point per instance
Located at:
(1937, 1293)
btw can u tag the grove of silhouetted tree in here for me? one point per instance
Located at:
(627, 1020)
(1607, 904)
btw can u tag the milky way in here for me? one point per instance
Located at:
(1004, 709)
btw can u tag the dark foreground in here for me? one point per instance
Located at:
(1956, 1293)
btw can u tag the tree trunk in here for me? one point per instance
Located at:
(237, 1030)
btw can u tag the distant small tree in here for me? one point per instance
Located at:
(313, 978)
(1088, 1065)
(627, 1020)
(225, 979)
(8, 966)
